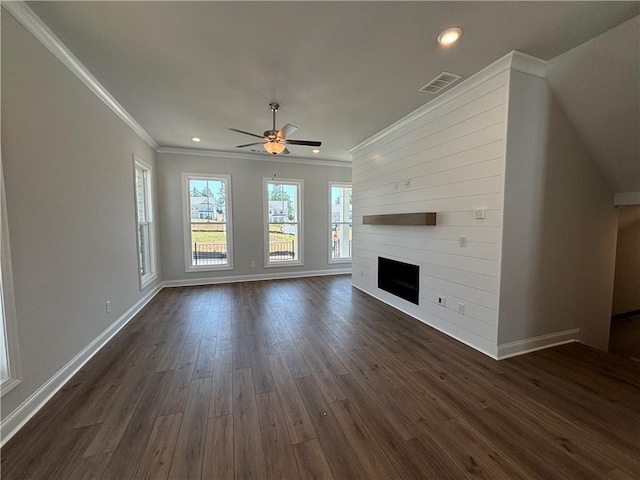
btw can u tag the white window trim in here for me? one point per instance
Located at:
(7, 302)
(145, 280)
(186, 214)
(265, 219)
(329, 240)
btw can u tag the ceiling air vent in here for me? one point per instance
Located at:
(441, 82)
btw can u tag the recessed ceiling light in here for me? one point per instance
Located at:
(195, 139)
(449, 36)
(316, 150)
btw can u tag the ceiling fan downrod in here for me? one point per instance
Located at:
(274, 108)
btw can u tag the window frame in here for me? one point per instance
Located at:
(265, 216)
(186, 214)
(8, 322)
(152, 275)
(332, 260)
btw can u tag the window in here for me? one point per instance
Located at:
(145, 228)
(283, 222)
(208, 232)
(340, 230)
(10, 372)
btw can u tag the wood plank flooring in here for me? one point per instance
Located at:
(312, 379)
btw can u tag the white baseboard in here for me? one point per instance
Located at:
(487, 351)
(520, 347)
(190, 282)
(21, 415)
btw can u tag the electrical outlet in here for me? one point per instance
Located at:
(107, 306)
(442, 301)
(463, 241)
(461, 308)
(253, 264)
(480, 213)
(407, 183)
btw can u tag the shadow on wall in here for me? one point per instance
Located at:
(574, 263)
(559, 233)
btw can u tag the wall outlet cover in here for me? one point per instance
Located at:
(442, 301)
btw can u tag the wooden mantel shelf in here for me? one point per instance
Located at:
(422, 218)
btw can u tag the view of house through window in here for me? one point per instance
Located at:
(208, 217)
(340, 231)
(283, 238)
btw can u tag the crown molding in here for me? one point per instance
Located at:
(222, 154)
(34, 24)
(513, 60)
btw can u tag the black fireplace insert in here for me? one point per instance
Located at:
(399, 278)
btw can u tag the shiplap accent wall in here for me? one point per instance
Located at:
(453, 156)
(446, 157)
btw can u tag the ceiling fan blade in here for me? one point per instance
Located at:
(287, 130)
(246, 133)
(249, 144)
(308, 143)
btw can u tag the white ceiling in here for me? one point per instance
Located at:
(341, 71)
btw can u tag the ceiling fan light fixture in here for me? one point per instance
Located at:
(449, 36)
(274, 147)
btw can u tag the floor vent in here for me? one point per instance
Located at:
(441, 82)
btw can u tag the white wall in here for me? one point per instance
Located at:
(626, 290)
(453, 153)
(536, 272)
(69, 185)
(248, 235)
(559, 226)
(596, 85)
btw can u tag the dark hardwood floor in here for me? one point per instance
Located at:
(310, 378)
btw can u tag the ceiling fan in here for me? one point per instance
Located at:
(275, 141)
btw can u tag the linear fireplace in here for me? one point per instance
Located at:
(399, 278)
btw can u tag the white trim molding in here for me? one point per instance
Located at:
(149, 195)
(513, 60)
(520, 347)
(260, 157)
(21, 415)
(189, 282)
(9, 321)
(34, 24)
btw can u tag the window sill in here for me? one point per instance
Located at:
(340, 260)
(8, 384)
(284, 264)
(147, 280)
(208, 268)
